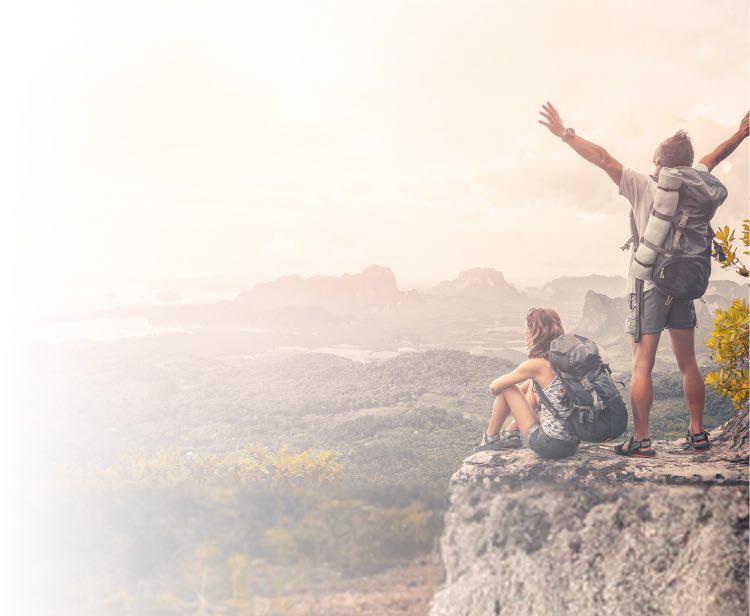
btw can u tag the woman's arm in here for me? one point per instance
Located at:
(527, 370)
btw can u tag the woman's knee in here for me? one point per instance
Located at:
(514, 391)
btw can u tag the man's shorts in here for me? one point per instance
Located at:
(658, 314)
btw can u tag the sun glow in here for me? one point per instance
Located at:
(170, 140)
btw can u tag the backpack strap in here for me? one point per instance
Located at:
(544, 399)
(608, 370)
(638, 308)
(589, 387)
(678, 235)
(665, 217)
(633, 234)
(641, 262)
(656, 248)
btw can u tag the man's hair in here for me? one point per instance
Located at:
(677, 151)
(544, 326)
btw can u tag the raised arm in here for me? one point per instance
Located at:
(725, 148)
(593, 153)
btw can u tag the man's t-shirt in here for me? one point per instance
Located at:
(640, 190)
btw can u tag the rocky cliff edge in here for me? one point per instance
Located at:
(600, 534)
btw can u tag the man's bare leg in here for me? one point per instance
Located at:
(683, 347)
(641, 385)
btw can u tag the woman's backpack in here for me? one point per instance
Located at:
(592, 406)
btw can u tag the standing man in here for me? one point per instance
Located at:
(658, 312)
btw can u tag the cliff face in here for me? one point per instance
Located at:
(600, 534)
(603, 318)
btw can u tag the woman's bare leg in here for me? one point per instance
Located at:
(528, 390)
(523, 414)
(500, 412)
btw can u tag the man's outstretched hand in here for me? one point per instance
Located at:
(725, 148)
(553, 120)
(745, 125)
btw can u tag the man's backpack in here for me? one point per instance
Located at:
(593, 407)
(674, 250)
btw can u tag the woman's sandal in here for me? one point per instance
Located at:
(698, 442)
(640, 449)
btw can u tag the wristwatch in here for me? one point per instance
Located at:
(569, 134)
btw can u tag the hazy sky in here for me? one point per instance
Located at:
(159, 140)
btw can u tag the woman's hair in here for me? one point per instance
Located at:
(544, 326)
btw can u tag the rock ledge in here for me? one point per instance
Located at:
(600, 534)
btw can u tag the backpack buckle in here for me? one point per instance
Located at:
(598, 404)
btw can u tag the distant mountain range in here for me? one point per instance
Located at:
(478, 311)
(479, 282)
(373, 289)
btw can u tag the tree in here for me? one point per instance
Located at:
(725, 252)
(729, 338)
(729, 349)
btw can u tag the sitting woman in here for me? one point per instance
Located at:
(514, 395)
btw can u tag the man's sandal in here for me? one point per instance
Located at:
(697, 442)
(633, 448)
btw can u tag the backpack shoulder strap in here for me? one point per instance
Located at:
(634, 240)
(541, 396)
(544, 399)
(638, 308)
